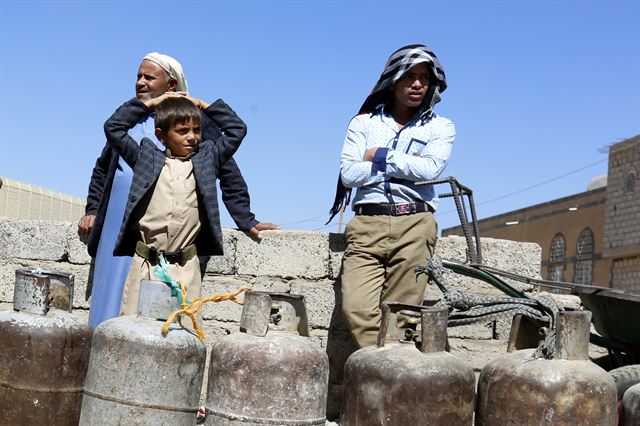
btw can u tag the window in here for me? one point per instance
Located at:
(556, 258)
(584, 258)
(630, 183)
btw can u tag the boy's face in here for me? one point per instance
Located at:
(182, 139)
(411, 88)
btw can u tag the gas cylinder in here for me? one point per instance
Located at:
(567, 389)
(630, 414)
(270, 372)
(407, 378)
(44, 352)
(136, 375)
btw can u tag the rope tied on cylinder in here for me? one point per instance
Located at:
(188, 307)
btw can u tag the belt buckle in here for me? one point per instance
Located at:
(153, 256)
(173, 257)
(400, 209)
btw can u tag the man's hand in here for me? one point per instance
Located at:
(85, 226)
(198, 102)
(368, 154)
(261, 226)
(154, 102)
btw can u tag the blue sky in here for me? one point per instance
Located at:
(536, 89)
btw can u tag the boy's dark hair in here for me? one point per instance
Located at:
(175, 110)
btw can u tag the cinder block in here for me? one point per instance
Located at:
(76, 249)
(225, 264)
(272, 284)
(288, 254)
(320, 301)
(33, 239)
(478, 331)
(226, 311)
(510, 256)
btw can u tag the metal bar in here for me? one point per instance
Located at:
(476, 228)
(474, 272)
(546, 283)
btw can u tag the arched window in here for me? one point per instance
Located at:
(556, 258)
(584, 258)
(630, 182)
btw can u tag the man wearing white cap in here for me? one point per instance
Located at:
(111, 180)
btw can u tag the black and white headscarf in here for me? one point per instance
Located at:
(398, 64)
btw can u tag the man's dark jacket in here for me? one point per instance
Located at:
(147, 161)
(235, 193)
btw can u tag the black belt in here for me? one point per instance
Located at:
(397, 209)
(153, 255)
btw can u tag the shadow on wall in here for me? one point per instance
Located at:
(340, 344)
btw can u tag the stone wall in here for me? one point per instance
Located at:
(622, 218)
(623, 197)
(626, 273)
(306, 263)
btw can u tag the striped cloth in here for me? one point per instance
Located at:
(399, 63)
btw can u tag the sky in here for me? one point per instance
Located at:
(537, 89)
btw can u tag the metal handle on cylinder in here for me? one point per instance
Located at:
(263, 310)
(155, 300)
(434, 329)
(37, 290)
(572, 335)
(389, 323)
(31, 292)
(432, 320)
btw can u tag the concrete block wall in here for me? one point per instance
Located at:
(622, 218)
(626, 273)
(306, 263)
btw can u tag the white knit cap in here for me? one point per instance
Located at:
(172, 67)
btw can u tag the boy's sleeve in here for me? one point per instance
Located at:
(234, 191)
(117, 126)
(354, 171)
(232, 127)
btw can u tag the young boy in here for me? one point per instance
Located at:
(172, 208)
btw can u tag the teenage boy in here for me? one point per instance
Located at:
(172, 210)
(395, 142)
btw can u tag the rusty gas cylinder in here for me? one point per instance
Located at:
(407, 378)
(44, 352)
(568, 389)
(270, 373)
(630, 412)
(136, 375)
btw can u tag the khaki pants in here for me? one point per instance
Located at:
(142, 270)
(378, 266)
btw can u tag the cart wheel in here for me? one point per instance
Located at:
(625, 377)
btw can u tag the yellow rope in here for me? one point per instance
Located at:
(190, 309)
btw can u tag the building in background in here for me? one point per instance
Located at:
(622, 218)
(588, 238)
(25, 201)
(569, 230)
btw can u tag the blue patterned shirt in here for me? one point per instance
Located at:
(418, 152)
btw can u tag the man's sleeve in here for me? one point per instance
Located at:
(234, 190)
(98, 181)
(354, 171)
